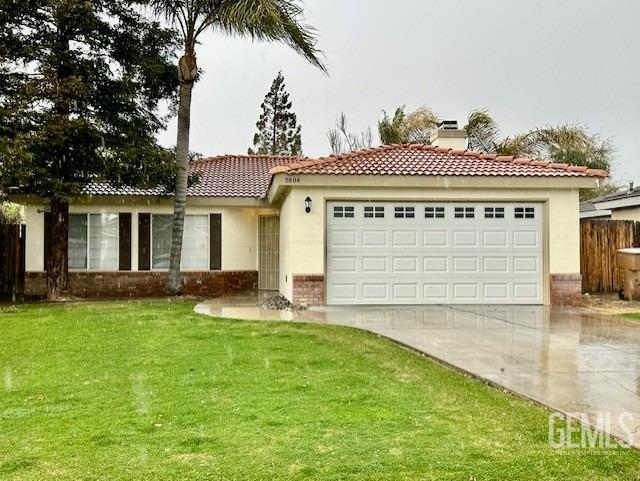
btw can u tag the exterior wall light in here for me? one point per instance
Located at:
(307, 204)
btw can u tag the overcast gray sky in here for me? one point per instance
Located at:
(530, 62)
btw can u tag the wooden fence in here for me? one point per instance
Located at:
(599, 241)
(12, 248)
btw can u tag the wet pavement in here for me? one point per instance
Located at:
(565, 359)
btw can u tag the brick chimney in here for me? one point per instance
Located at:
(448, 135)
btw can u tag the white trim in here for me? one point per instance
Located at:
(590, 214)
(632, 201)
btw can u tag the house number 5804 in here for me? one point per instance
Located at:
(292, 180)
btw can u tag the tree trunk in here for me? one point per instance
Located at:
(174, 286)
(57, 258)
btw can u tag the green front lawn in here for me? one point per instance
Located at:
(153, 391)
(632, 315)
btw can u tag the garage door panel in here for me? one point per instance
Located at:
(525, 238)
(374, 264)
(465, 238)
(405, 238)
(343, 238)
(344, 264)
(405, 291)
(374, 238)
(526, 291)
(465, 290)
(428, 260)
(529, 264)
(405, 264)
(497, 238)
(435, 238)
(465, 264)
(435, 264)
(496, 291)
(496, 264)
(435, 292)
(344, 292)
(375, 292)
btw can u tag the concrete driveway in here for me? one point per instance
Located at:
(569, 361)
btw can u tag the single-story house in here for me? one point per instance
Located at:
(623, 205)
(397, 224)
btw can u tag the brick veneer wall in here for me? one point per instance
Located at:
(308, 289)
(566, 289)
(145, 284)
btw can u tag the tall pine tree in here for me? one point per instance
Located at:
(80, 83)
(278, 129)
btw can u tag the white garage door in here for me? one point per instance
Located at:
(432, 253)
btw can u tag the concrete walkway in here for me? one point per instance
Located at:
(568, 361)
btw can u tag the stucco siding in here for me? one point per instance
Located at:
(631, 213)
(286, 249)
(239, 231)
(305, 233)
(34, 242)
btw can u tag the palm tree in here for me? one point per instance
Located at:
(567, 144)
(268, 20)
(572, 144)
(412, 128)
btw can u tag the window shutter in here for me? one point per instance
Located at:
(215, 242)
(144, 242)
(47, 239)
(124, 239)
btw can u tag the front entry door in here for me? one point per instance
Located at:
(269, 252)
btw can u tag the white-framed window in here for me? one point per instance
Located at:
(93, 241)
(340, 212)
(434, 212)
(525, 213)
(494, 212)
(371, 212)
(464, 212)
(404, 212)
(195, 241)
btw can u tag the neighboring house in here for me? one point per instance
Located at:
(588, 210)
(624, 205)
(400, 224)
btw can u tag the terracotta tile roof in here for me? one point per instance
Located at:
(417, 159)
(221, 176)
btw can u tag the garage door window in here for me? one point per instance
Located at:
(341, 212)
(371, 212)
(431, 212)
(525, 213)
(494, 212)
(405, 212)
(465, 212)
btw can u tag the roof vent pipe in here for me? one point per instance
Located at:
(631, 186)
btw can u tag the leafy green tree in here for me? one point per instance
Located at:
(412, 128)
(10, 213)
(80, 83)
(270, 20)
(278, 129)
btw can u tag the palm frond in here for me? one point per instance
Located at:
(270, 20)
(482, 132)
(418, 126)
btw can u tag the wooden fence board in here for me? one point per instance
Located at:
(599, 242)
(12, 245)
